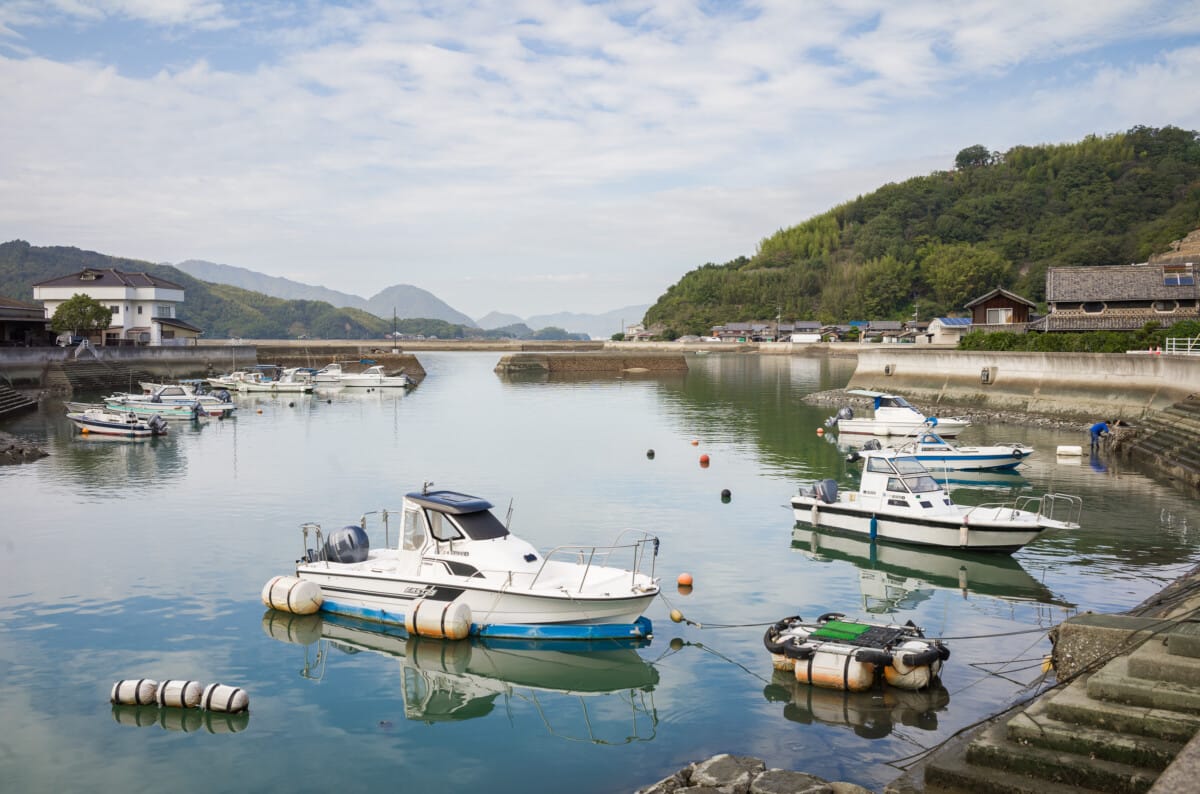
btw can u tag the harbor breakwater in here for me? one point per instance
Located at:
(1069, 385)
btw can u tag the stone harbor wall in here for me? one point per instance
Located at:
(737, 774)
(14, 450)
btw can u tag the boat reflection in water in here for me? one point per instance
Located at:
(451, 680)
(872, 715)
(891, 575)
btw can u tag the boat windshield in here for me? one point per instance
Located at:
(921, 483)
(892, 401)
(909, 465)
(481, 525)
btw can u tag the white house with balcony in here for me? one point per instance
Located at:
(143, 306)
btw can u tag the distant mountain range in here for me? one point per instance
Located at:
(406, 300)
(409, 302)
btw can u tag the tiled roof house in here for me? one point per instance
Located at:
(1119, 297)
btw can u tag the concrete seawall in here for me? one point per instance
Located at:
(1075, 385)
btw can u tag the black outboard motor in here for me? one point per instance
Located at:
(224, 396)
(157, 425)
(826, 491)
(872, 443)
(845, 412)
(348, 544)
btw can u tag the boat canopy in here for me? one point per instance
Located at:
(882, 400)
(904, 473)
(451, 502)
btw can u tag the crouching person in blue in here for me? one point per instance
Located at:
(1098, 430)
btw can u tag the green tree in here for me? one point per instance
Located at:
(959, 272)
(79, 314)
(973, 157)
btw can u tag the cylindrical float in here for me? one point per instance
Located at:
(226, 699)
(135, 692)
(179, 694)
(835, 668)
(447, 620)
(915, 664)
(1069, 450)
(437, 655)
(292, 594)
(217, 722)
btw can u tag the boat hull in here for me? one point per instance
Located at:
(946, 428)
(1002, 461)
(495, 611)
(968, 529)
(112, 428)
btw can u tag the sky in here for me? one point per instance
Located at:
(534, 156)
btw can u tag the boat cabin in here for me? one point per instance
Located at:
(445, 517)
(899, 481)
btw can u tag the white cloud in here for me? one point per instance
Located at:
(491, 143)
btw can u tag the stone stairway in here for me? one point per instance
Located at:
(1115, 730)
(1170, 441)
(12, 401)
(93, 375)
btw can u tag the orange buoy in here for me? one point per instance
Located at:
(684, 580)
(260, 410)
(695, 442)
(83, 430)
(704, 460)
(820, 431)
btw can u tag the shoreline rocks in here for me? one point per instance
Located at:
(14, 450)
(739, 774)
(839, 397)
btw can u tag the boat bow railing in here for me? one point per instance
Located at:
(641, 546)
(1057, 507)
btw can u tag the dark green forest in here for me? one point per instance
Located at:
(932, 243)
(224, 312)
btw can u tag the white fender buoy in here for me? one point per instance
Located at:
(182, 720)
(1069, 450)
(135, 692)
(916, 676)
(179, 694)
(227, 699)
(447, 620)
(292, 594)
(296, 629)
(816, 517)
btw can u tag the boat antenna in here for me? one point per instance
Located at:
(425, 487)
(508, 515)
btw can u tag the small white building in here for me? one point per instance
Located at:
(947, 330)
(143, 306)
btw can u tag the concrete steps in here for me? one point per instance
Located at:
(1170, 441)
(12, 401)
(1115, 731)
(93, 375)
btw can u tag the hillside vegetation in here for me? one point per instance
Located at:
(935, 242)
(224, 311)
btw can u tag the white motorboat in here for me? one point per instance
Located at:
(899, 500)
(454, 570)
(136, 404)
(375, 377)
(124, 424)
(294, 380)
(328, 375)
(219, 403)
(893, 416)
(937, 453)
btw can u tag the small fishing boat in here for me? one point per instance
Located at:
(124, 424)
(454, 570)
(899, 500)
(893, 416)
(935, 452)
(375, 377)
(136, 404)
(854, 655)
(328, 375)
(293, 380)
(219, 403)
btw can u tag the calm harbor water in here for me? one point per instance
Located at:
(146, 559)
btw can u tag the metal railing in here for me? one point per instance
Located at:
(1183, 346)
(600, 557)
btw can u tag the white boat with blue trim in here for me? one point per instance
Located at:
(123, 424)
(899, 500)
(894, 416)
(453, 570)
(939, 454)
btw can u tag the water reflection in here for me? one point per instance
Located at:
(871, 715)
(896, 578)
(181, 720)
(450, 681)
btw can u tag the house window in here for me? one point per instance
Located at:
(114, 309)
(1165, 306)
(139, 310)
(1094, 307)
(999, 316)
(1178, 275)
(163, 310)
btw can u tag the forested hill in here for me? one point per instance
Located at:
(938, 241)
